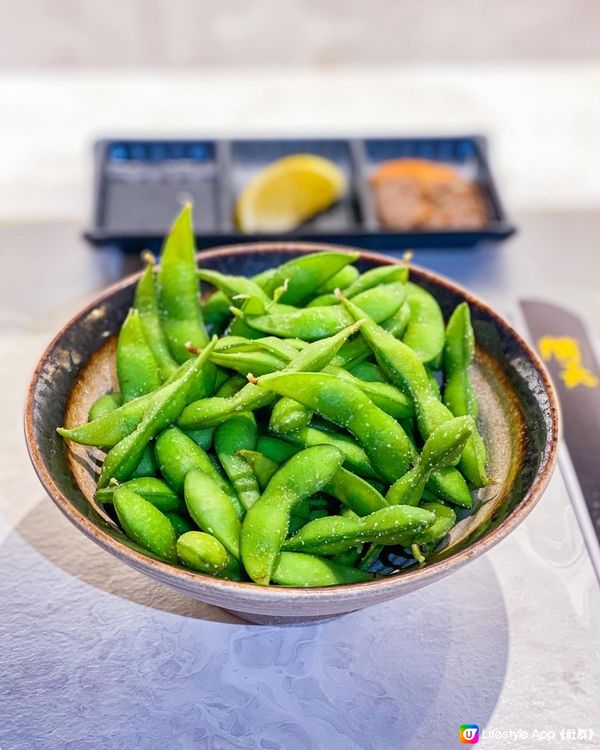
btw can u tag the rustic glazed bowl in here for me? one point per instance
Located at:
(519, 422)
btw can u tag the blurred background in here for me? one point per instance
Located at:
(524, 72)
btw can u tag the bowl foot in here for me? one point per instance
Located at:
(258, 619)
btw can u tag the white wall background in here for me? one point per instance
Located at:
(314, 32)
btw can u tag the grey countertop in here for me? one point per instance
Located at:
(95, 655)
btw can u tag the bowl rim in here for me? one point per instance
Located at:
(181, 577)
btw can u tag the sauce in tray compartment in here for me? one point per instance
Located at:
(422, 194)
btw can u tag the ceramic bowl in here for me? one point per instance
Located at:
(518, 419)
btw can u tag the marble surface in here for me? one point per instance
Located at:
(94, 655)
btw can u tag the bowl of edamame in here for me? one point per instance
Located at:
(290, 431)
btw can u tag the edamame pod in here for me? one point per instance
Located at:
(382, 438)
(342, 279)
(302, 275)
(104, 405)
(244, 362)
(355, 457)
(152, 489)
(301, 570)
(200, 551)
(106, 431)
(123, 458)
(180, 523)
(212, 510)
(404, 368)
(352, 491)
(137, 369)
(178, 304)
(266, 523)
(335, 534)
(212, 411)
(238, 433)
(145, 524)
(424, 333)
(445, 518)
(177, 455)
(459, 395)
(367, 280)
(442, 448)
(146, 303)
(314, 323)
(234, 287)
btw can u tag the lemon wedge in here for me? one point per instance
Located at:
(287, 192)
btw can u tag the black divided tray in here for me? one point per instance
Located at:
(139, 186)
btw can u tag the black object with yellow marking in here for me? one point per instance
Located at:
(562, 341)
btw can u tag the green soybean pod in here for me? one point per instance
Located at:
(245, 362)
(445, 518)
(137, 370)
(215, 311)
(375, 277)
(336, 534)
(212, 411)
(459, 395)
(145, 524)
(342, 279)
(123, 458)
(424, 333)
(271, 344)
(263, 467)
(107, 430)
(146, 303)
(202, 552)
(357, 350)
(301, 276)
(382, 438)
(384, 395)
(212, 510)
(266, 523)
(177, 455)
(104, 405)
(365, 281)
(369, 372)
(178, 303)
(288, 415)
(442, 448)
(314, 323)
(301, 570)
(355, 493)
(238, 433)
(231, 386)
(355, 457)
(151, 489)
(404, 368)
(234, 287)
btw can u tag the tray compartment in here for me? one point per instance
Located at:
(145, 183)
(248, 157)
(466, 154)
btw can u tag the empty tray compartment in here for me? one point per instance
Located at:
(145, 183)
